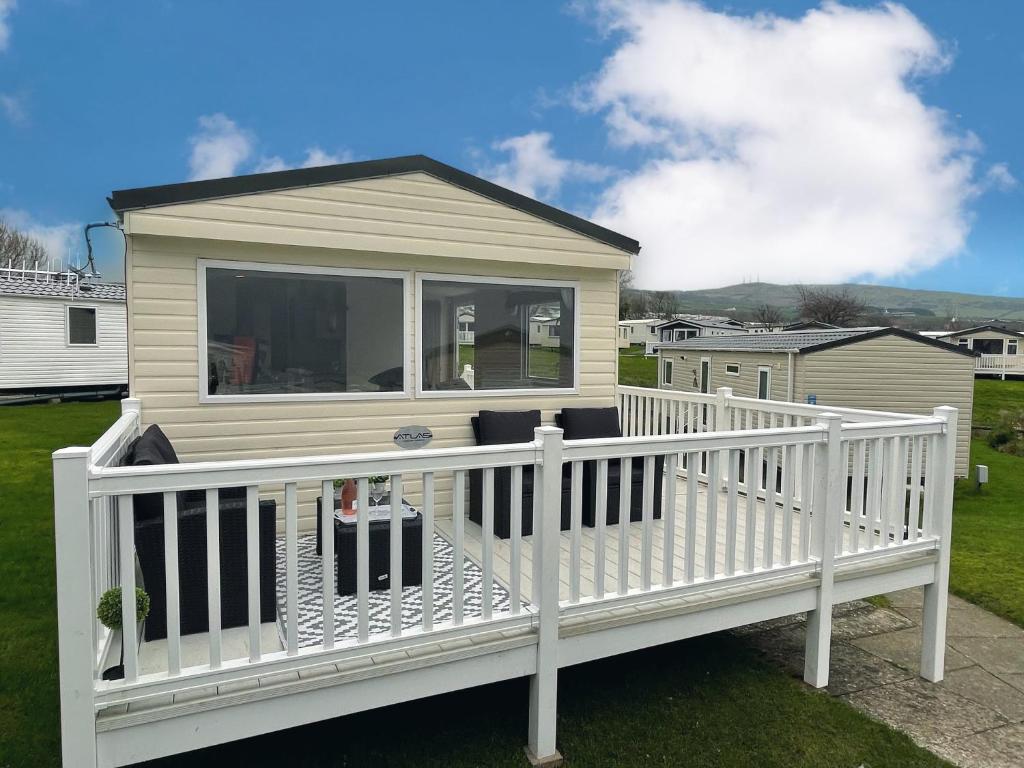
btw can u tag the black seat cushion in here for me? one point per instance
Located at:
(586, 423)
(502, 427)
(152, 447)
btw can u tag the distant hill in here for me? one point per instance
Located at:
(744, 298)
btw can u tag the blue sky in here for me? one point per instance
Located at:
(102, 96)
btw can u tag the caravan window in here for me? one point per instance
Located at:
(282, 332)
(81, 326)
(525, 335)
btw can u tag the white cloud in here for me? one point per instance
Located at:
(218, 148)
(13, 109)
(535, 170)
(315, 156)
(796, 149)
(6, 9)
(998, 177)
(60, 239)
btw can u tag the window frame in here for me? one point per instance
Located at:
(1016, 347)
(297, 269)
(738, 367)
(666, 372)
(489, 280)
(768, 370)
(95, 325)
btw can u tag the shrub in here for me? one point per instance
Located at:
(109, 609)
(1007, 434)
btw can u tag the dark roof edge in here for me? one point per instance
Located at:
(911, 336)
(987, 327)
(193, 191)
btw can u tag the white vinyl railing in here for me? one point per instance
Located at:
(1000, 364)
(750, 489)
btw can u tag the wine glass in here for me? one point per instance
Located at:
(377, 492)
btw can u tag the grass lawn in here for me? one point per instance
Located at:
(635, 370)
(29, 725)
(988, 527)
(710, 701)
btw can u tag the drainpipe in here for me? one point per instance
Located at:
(790, 383)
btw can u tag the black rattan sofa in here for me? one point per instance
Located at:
(587, 423)
(501, 428)
(153, 447)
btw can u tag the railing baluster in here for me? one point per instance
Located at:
(692, 459)
(668, 517)
(914, 506)
(327, 563)
(857, 494)
(752, 476)
(252, 568)
(516, 520)
(171, 583)
(459, 528)
(427, 553)
(213, 573)
(291, 545)
(625, 487)
(732, 486)
(788, 480)
(647, 523)
(711, 519)
(806, 492)
(576, 530)
(129, 635)
(874, 516)
(600, 520)
(931, 458)
(487, 545)
(768, 555)
(395, 550)
(363, 558)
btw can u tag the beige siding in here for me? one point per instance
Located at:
(893, 374)
(34, 351)
(686, 367)
(409, 214)
(165, 367)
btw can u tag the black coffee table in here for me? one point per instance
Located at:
(380, 552)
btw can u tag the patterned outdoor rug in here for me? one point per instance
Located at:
(310, 603)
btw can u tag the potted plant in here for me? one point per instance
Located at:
(109, 613)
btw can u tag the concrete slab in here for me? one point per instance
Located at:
(999, 655)
(970, 621)
(852, 669)
(867, 621)
(907, 598)
(998, 748)
(984, 688)
(903, 648)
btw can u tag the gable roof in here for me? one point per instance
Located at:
(85, 290)
(802, 342)
(707, 322)
(194, 191)
(979, 328)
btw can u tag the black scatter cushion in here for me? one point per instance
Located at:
(152, 448)
(500, 427)
(585, 423)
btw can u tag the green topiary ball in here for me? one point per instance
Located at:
(109, 609)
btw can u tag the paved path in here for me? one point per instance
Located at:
(974, 718)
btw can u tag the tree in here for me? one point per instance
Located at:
(20, 250)
(768, 316)
(836, 306)
(663, 304)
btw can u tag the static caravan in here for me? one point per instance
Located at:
(884, 369)
(639, 332)
(323, 309)
(998, 348)
(60, 334)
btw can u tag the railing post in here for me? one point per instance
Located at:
(541, 749)
(131, 405)
(826, 512)
(933, 646)
(75, 609)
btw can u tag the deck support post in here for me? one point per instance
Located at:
(826, 511)
(936, 599)
(540, 748)
(75, 606)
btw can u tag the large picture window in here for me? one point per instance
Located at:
(524, 335)
(294, 332)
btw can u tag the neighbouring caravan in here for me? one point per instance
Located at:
(60, 334)
(885, 369)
